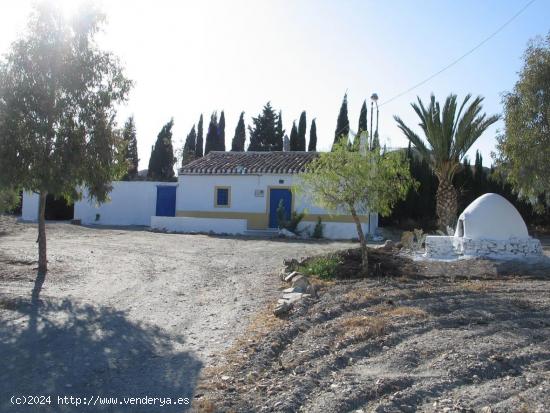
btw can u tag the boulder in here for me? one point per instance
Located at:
(300, 283)
(282, 308)
(288, 278)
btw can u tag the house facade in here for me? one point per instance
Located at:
(239, 193)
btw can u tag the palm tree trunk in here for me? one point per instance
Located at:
(363, 241)
(446, 205)
(42, 258)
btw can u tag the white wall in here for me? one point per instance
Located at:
(334, 230)
(131, 203)
(183, 224)
(29, 210)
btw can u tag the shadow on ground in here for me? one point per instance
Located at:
(65, 348)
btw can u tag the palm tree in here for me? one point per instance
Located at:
(449, 135)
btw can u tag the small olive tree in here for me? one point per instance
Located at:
(58, 94)
(352, 183)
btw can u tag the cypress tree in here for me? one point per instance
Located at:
(211, 143)
(237, 145)
(161, 163)
(199, 142)
(221, 133)
(361, 127)
(264, 135)
(294, 137)
(286, 143)
(342, 124)
(280, 132)
(312, 146)
(129, 136)
(189, 148)
(302, 126)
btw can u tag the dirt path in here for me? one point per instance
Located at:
(127, 313)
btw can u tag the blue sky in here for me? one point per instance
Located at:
(189, 58)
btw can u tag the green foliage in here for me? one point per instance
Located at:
(237, 145)
(342, 124)
(361, 127)
(301, 138)
(290, 224)
(162, 160)
(199, 142)
(131, 151)
(294, 137)
(212, 134)
(318, 230)
(58, 97)
(324, 267)
(280, 132)
(312, 145)
(9, 198)
(189, 147)
(220, 142)
(348, 182)
(449, 133)
(265, 132)
(524, 147)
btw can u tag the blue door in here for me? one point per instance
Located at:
(275, 197)
(166, 201)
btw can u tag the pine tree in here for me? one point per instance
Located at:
(302, 126)
(189, 148)
(264, 135)
(240, 136)
(312, 146)
(130, 140)
(212, 134)
(294, 137)
(221, 133)
(342, 124)
(161, 163)
(199, 142)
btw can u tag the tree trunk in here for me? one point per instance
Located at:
(446, 205)
(42, 259)
(363, 241)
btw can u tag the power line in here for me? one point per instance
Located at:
(469, 52)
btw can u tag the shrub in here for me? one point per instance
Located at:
(318, 230)
(292, 223)
(323, 267)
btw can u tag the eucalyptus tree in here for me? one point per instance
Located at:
(449, 132)
(58, 98)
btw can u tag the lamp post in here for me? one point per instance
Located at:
(374, 100)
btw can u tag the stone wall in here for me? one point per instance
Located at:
(453, 247)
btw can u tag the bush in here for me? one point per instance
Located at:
(292, 224)
(318, 230)
(322, 267)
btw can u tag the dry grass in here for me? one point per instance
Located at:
(403, 311)
(359, 296)
(204, 406)
(361, 327)
(475, 286)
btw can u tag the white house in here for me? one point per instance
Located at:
(239, 193)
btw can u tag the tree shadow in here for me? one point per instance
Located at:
(66, 348)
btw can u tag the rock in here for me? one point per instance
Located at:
(300, 283)
(283, 232)
(290, 276)
(388, 245)
(398, 245)
(294, 297)
(282, 308)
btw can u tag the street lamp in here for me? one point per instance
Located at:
(374, 100)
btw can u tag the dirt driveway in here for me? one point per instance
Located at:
(126, 313)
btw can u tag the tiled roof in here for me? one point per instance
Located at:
(220, 163)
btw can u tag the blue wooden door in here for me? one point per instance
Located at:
(275, 196)
(166, 201)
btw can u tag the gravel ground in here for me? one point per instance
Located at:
(468, 336)
(126, 312)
